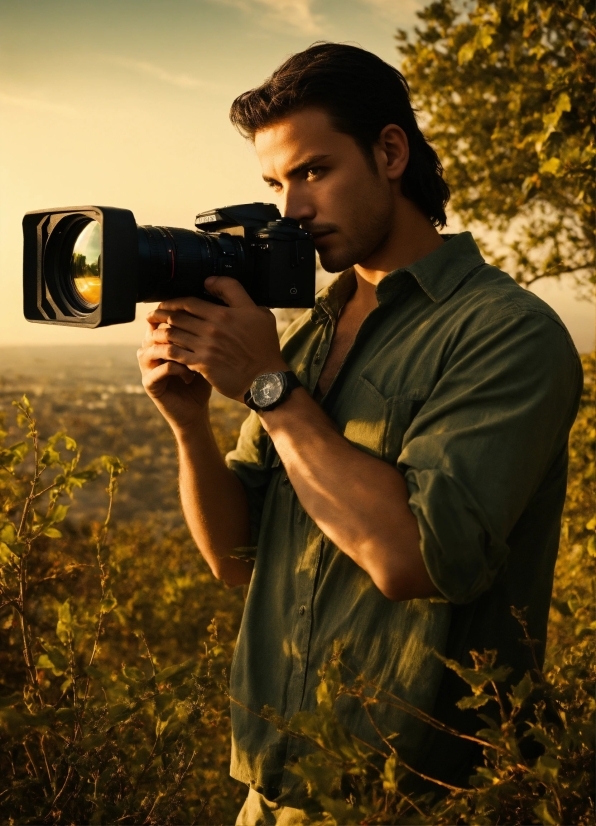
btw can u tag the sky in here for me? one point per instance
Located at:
(125, 103)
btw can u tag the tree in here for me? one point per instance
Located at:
(508, 88)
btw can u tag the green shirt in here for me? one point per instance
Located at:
(468, 384)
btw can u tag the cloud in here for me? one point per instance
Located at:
(36, 104)
(400, 14)
(293, 14)
(182, 81)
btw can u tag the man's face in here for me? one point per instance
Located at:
(327, 183)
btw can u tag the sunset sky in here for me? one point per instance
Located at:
(125, 103)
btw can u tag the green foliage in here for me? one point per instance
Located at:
(508, 86)
(110, 711)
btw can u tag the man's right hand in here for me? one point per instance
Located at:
(213, 498)
(180, 395)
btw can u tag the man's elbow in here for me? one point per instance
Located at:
(232, 571)
(400, 585)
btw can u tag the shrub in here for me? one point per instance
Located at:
(110, 710)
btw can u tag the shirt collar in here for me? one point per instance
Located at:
(332, 298)
(438, 274)
(441, 272)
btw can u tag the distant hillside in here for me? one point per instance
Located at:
(95, 394)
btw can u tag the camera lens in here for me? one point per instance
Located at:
(85, 265)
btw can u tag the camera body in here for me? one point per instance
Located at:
(89, 266)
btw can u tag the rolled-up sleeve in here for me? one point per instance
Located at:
(484, 440)
(251, 462)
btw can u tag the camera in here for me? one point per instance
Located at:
(89, 266)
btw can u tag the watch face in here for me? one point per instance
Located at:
(267, 389)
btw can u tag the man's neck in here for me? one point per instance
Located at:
(412, 238)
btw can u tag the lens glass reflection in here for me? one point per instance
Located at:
(85, 265)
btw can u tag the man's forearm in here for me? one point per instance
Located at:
(358, 501)
(214, 503)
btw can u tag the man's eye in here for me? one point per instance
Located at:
(313, 172)
(274, 185)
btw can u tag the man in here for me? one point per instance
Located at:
(407, 490)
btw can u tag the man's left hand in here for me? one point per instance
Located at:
(230, 346)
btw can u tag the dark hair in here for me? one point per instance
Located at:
(362, 94)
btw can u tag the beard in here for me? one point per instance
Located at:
(354, 246)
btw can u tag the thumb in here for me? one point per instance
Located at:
(229, 290)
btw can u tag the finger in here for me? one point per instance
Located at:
(148, 337)
(170, 352)
(151, 324)
(155, 381)
(183, 321)
(147, 361)
(173, 335)
(229, 290)
(194, 307)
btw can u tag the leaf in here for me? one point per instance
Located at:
(547, 768)
(329, 687)
(64, 627)
(393, 772)
(163, 701)
(8, 533)
(6, 553)
(474, 701)
(59, 513)
(54, 658)
(25, 404)
(343, 813)
(113, 465)
(66, 715)
(44, 662)
(77, 480)
(53, 533)
(49, 457)
(542, 737)
(551, 166)
(69, 443)
(466, 53)
(492, 723)
(544, 813)
(120, 712)
(522, 690)
(175, 673)
(108, 603)
(133, 675)
(321, 775)
(481, 674)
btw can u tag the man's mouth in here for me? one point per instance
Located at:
(318, 235)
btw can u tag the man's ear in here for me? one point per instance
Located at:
(395, 151)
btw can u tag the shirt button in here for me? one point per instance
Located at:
(316, 359)
(302, 610)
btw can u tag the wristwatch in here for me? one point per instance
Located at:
(270, 389)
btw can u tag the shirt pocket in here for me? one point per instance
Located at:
(377, 423)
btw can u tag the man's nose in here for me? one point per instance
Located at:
(296, 206)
